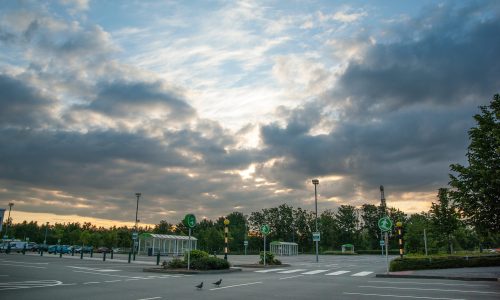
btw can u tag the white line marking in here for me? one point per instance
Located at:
(22, 262)
(291, 277)
(427, 283)
(362, 273)
(421, 289)
(132, 279)
(91, 282)
(314, 272)
(399, 296)
(113, 280)
(338, 273)
(270, 270)
(94, 269)
(104, 274)
(292, 271)
(236, 285)
(18, 265)
(150, 298)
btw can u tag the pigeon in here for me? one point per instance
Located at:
(199, 286)
(218, 282)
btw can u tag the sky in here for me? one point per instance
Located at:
(210, 107)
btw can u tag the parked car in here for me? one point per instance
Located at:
(103, 250)
(64, 249)
(85, 249)
(31, 246)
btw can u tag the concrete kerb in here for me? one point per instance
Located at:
(415, 276)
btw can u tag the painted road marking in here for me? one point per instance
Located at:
(338, 273)
(236, 285)
(150, 298)
(291, 277)
(28, 284)
(362, 273)
(400, 296)
(422, 289)
(314, 272)
(270, 270)
(292, 271)
(23, 266)
(94, 269)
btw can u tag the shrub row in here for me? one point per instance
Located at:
(440, 262)
(199, 260)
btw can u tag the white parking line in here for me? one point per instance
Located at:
(362, 273)
(292, 271)
(314, 272)
(269, 270)
(291, 277)
(236, 285)
(400, 296)
(422, 289)
(91, 282)
(23, 266)
(338, 273)
(150, 298)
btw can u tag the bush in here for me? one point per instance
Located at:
(210, 263)
(338, 253)
(270, 260)
(176, 264)
(378, 252)
(195, 255)
(443, 262)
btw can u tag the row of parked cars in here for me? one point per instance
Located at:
(18, 246)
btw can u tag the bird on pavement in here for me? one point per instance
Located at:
(218, 282)
(199, 286)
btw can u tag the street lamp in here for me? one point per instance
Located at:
(8, 220)
(138, 195)
(316, 182)
(45, 240)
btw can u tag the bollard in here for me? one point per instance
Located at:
(41, 252)
(129, 256)
(158, 258)
(112, 253)
(60, 254)
(24, 250)
(81, 254)
(104, 256)
(92, 252)
(73, 251)
(134, 255)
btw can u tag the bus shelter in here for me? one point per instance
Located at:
(347, 247)
(284, 248)
(165, 244)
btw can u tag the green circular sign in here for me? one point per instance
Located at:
(385, 224)
(190, 220)
(265, 229)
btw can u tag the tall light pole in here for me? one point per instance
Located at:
(46, 227)
(138, 195)
(8, 220)
(316, 182)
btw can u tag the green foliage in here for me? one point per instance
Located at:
(177, 264)
(338, 253)
(195, 255)
(444, 218)
(270, 259)
(476, 187)
(440, 262)
(210, 263)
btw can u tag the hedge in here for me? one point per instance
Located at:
(440, 262)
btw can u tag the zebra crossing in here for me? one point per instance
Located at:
(315, 272)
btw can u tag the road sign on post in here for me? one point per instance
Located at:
(316, 237)
(265, 230)
(385, 224)
(190, 222)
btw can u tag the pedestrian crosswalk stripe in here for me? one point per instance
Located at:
(362, 273)
(292, 271)
(338, 273)
(314, 272)
(270, 270)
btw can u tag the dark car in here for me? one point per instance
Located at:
(85, 249)
(103, 250)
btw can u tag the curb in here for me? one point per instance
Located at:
(259, 266)
(437, 277)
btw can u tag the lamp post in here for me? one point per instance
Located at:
(46, 227)
(8, 220)
(316, 182)
(136, 237)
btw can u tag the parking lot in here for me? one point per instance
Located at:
(334, 277)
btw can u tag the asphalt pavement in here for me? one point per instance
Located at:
(332, 277)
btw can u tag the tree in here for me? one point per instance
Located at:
(476, 187)
(444, 217)
(370, 215)
(346, 221)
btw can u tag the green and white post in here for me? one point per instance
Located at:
(265, 230)
(385, 225)
(190, 222)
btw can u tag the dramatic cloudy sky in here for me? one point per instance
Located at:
(209, 107)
